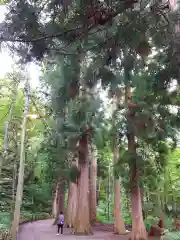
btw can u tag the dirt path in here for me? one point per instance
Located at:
(43, 230)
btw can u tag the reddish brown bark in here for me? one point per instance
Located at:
(72, 202)
(161, 223)
(92, 187)
(82, 223)
(177, 224)
(119, 226)
(138, 227)
(59, 200)
(155, 231)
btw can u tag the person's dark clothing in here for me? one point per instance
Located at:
(60, 226)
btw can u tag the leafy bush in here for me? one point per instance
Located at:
(5, 219)
(102, 212)
(128, 219)
(171, 236)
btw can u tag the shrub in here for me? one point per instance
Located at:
(171, 236)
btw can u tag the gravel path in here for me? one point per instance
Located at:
(43, 230)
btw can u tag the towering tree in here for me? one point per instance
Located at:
(19, 193)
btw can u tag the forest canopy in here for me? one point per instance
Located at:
(99, 138)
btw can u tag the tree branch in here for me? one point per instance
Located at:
(124, 6)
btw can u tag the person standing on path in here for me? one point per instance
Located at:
(60, 223)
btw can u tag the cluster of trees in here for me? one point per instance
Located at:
(110, 83)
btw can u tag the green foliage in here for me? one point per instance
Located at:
(74, 173)
(102, 170)
(171, 236)
(5, 219)
(102, 212)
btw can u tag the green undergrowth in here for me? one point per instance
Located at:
(171, 236)
(5, 221)
(102, 219)
(150, 220)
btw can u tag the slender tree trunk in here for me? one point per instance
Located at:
(98, 190)
(109, 191)
(1, 163)
(14, 183)
(72, 202)
(92, 187)
(19, 192)
(119, 226)
(54, 202)
(67, 217)
(82, 223)
(138, 227)
(161, 222)
(15, 167)
(14, 95)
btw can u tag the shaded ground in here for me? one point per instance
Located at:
(98, 226)
(43, 230)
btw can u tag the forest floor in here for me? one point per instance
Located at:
(43, 230)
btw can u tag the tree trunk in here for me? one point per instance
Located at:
(14, 96)
(54, 205)
(19, 192)
(138, 228)
(14, 183)
(108, 191)
(98, 190)
(60, 197)
(92, 187)
(82, 224)
(119, 226)
(72, 203)
(59, 200)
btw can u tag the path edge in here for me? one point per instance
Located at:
(5, 234)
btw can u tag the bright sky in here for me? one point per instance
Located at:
(7, 63)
